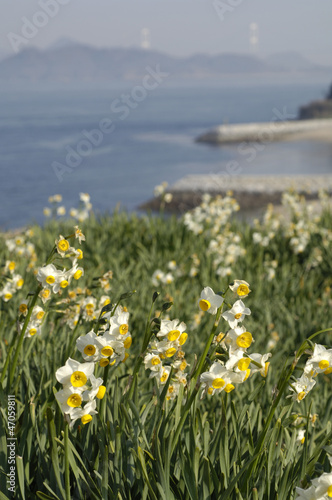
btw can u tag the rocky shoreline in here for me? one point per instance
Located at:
(252, 193)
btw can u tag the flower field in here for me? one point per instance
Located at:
(167, 358)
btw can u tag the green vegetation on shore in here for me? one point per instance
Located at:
(151, 445)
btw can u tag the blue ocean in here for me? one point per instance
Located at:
(154, 142)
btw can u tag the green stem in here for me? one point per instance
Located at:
(195, 377)
(145, 343)
(67, 477)
(21, 338)
(282, 386)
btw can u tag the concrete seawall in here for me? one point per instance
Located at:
(269, 132)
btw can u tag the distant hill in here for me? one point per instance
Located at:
(68, 61)
(291, 61)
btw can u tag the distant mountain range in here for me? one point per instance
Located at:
(68, 61)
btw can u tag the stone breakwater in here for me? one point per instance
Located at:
(269, 131)
(253, 192)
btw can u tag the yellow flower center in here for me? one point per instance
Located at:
(204, 305)
(218, 383)
(89, 350)
(302, 440)
(78, 379)
(20, 283)
(63, 245)
(329, 491)
(23, 308)
(86, 419)
(229, 388)
(11, 266)
(33, 331)
(170, 352)
(183, 338)
(104, 362)
(301, 395)
(126, 356)
(247, 374)
(107, 351)
(244, 340)
(64, 284)
(155, 361)
(127, 343)
(210, 390)
(77, 276)
(243, 364)
(328, 371)
(45, 293)
(123, 329)
(173, 335)
(265, 370)
(8, 296)
(40, 315)
(183, 365)
(164, 377)
(74, 401)
(80, 256)
(238, 315)
(324, 364)
(101, 392)
(242, 290)
(50, 280)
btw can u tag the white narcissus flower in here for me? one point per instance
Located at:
(309, 494)
(152, 362)
(300, 436)
(33, 329)
(79, 235)
(209, 301)
(85, 197)
(69, 398)
(119, 325)
(262, 360)
(173, 329)
(85, 414)
(157, 277)
(86, 344)
(241, 288)
(301, 387)
(75, 272)
(50, 277)
(74, 373)
(238, 338)
(97, 390)
(109, 346)
(323, 485)
(219, 378)
(320, 361)
(236, 314)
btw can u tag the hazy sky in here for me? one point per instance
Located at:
(180, 27)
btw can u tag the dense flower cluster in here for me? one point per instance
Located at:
(53, 279)
(319, 362)
(165, 353)
(80, 214)
(12, 281)
(107, 347)
(212, 219)
(79, 385)
(238, 365)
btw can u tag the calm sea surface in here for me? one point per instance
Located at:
(154, 143)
